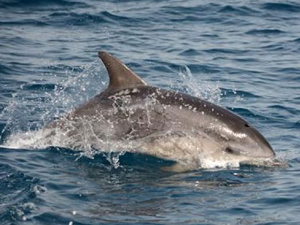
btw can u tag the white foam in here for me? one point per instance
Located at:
(26, 140)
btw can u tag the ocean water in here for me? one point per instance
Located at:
(242, 55)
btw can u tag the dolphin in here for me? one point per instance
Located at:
(133, 116)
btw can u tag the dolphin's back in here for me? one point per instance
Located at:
(145, 110)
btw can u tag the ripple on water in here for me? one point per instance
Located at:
(239, 11)
(45, 3)
(16, 192)
(285, 7)
(265, 32)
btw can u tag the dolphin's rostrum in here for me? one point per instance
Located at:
(130, 115)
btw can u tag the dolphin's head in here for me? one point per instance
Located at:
(241, 139)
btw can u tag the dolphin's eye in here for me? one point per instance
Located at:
(231, 151)
(247, 125)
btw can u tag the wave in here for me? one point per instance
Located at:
(290, 70)
(26, 22)
(296, 40)
(265, 32)
(240, 11)
(179, 10)
(225, 51)
(16, 189)
(38, 3)
(233, 93)
(246, 113)
(87, 19)
(5, 70)
(285, 7)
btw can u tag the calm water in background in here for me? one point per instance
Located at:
(243, 55)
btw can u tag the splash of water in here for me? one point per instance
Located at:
(32, 108)
(199, 87)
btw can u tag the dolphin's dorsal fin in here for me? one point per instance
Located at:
(120, 76)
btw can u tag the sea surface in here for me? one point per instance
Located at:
(241, 54)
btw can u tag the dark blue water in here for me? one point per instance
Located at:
(243, 55)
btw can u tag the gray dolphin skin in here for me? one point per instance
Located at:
(130, 115)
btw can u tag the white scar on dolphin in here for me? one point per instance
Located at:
(135, 117)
